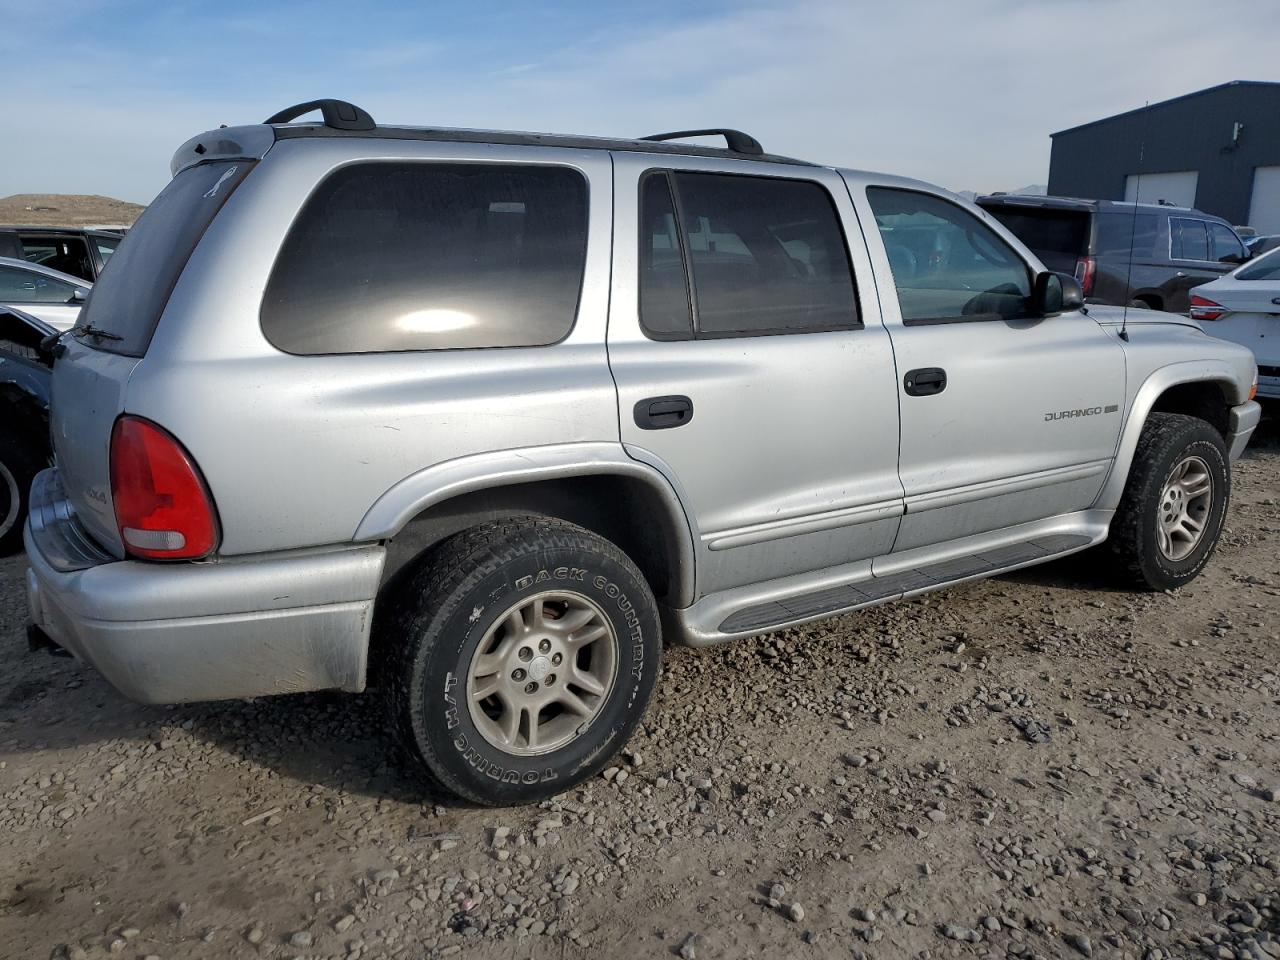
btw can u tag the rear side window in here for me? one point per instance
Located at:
(392, 256)
(1188, 239)
(1266, 267)
(765, 255)
(1047, 231)
(1118, 233)
(128, 299)
(28, 286)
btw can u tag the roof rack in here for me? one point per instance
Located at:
(736, 140)
(337, 114)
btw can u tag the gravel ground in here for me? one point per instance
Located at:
(1034, 766)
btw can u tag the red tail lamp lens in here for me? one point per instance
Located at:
(163, 509)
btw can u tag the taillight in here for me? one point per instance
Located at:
(163, 509)
(1086, 267)
(1203, 308)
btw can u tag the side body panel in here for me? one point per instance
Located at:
(297, 448)
(789, 463)
(1027, 424)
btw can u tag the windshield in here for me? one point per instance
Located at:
(129, 298)
(1266, 267)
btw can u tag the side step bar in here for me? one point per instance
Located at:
(769, 607)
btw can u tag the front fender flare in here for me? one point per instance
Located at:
(1190, 371)
(443, 481)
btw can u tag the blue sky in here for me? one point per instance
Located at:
(960, 92)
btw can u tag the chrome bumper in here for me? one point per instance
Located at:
(1240, 423)
(171, 633)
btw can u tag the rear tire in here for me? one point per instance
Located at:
(520, 657)
(20, 461)
(1174, 503)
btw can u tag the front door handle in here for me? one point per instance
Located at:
(925, 382)
(663, 413)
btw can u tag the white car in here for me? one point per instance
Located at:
(1244, 307)
(54, 297)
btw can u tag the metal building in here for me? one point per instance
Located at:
(1217, 149)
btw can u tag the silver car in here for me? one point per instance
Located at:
(482, 419)
(54, 297)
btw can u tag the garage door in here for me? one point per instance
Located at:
(1264, 208)
(1176, 188)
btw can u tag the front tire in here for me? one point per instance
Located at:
(1174, 503)
(520, 658)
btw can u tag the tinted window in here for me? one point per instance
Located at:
(767, 256)
(67, 255)
(106, 247)
(427, 256)
(1188, 239)
(1118, 233)
(1227, 247)
(946, 263)
(1047, 231)
(1266, 267)
(665, 312)
(129, 298)
(28, 286)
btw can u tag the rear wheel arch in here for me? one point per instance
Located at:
(641, 515)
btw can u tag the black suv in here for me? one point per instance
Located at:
(74, 250)
(1141, 254)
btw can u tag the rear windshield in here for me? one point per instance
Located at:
(1266, 267)
(131, 294)
(1046, 231)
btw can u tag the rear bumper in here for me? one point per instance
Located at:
(172, 633)
(1240, 423)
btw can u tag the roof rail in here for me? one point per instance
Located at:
(736, 140)
(337, 114)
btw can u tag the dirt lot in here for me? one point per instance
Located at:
(1035, 766)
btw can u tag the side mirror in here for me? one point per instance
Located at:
(79, 295)
(1056, 293)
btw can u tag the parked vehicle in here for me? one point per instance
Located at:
(78, 252)
(1261, 244)
(56, 298)
(1244, 307)
(24, 417)
(1144, 255)
(480, 418)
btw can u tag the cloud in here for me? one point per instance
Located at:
(960, 93)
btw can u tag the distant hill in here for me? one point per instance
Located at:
(66, 210)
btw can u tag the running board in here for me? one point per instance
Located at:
(795, 600)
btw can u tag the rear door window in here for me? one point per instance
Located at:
(1226, 246)
(391, 256)
(130, 297)
(766, 256)
(1188, 239)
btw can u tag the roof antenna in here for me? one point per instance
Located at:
(1133, 224)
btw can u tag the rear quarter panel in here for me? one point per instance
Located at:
(296, 449)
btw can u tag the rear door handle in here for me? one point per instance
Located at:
(925, 382)
(663, 413)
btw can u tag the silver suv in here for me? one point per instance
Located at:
(478, 419)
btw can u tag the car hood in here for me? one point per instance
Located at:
(1115, 316)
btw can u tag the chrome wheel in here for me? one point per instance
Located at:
(1184, 508)
(542, 673)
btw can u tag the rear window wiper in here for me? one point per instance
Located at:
(89, 330)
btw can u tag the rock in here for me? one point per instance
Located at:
(689, 947)
(254, 934)
(795, 912)
(300, 939)
(864, 914)
(343, 923)
(777, 891)
(1081, 943)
